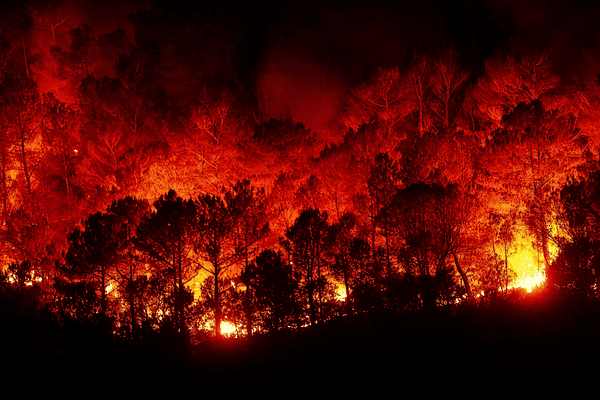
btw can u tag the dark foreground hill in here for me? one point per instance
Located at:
(507, 343)
(502, 344)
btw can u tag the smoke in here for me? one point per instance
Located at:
(102, 16)
(52, 23)
(315, 51)
(567, 27)
(294, 86)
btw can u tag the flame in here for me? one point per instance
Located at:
(228, 329)
(528, 266)
(340, 292)
(531, 282)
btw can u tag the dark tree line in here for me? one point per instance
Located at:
(139, 262)
(133, 265)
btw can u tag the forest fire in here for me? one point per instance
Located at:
(340, 292)
(532, 282)
(528, 270)
(184, 169)
(229, 329)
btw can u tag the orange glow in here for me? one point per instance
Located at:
(528, 265)
(340, 292)
(525, 263)
(530, 282)
(228, 329)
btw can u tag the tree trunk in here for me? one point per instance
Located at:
(131, 300)
(25, 60)
(541, 225)
(463, 274)
(180, 302)
(311, 299)
(505, 245)
(217, 300)
(388, 267)
(4, 183)
(179, 309)
(248, 311)
(103, 295)
(24, 163)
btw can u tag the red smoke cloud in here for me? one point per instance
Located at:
(291, 85)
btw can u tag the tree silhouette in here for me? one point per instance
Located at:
(131, 268)
(248, 205)
(92, 254)
(216, 245)
(229, 232)
(275, 290)
(306, 244)
(576, 269)
(429, 224)
(169, 236)
(351, 258)
(342, 267)
(382, 185)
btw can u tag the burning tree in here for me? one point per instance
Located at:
(275, 290)
(382, 98)
(131, 269)
(430, 225)
(514, 75)
(530, 157)
(168, 236)
(104, 254)
(93, 253)
(351, 258)
(382, 184)
(229, 232)
(446, 81)
(576, 269)
(24, 112)
(216, 246)
(306, 244)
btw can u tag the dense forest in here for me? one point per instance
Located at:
(170, 170)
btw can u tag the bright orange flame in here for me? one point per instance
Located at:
(530, 282)
(340, 292)
(528, 267)
(228, 329)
